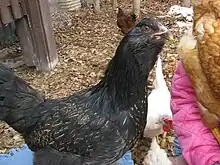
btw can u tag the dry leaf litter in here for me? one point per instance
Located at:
(85, 43)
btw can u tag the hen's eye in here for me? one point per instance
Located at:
(146, 28)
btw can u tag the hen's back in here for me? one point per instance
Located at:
(17, 99)
(159, 94)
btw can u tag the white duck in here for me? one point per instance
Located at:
(159, 117)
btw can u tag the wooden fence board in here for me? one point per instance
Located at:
(1, 24)
(24, 34)
(34, 29)
(16, 9)
(4, 3)
(6, 15)
(23, 6)
(42, 31)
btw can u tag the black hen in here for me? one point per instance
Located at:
(95, 126)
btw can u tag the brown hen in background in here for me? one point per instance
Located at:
(200, 53)
(125, 21)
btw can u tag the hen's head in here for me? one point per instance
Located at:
(120, 12)
(142, 44)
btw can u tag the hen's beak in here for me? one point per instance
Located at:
(163, 31)
(169, 36)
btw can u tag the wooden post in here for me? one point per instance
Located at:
(186, 3)
(53, 6)
(136, 7)
(42, 34)
(114, 4)
(24, 35)
(97, 6)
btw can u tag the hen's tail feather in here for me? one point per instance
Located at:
(17, 99)
(53, 157)
(160, 81)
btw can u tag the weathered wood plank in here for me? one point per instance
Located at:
(1, 24)
(6, 15)
(16, 9)
(42, 34)
(24, 34)
(4, 3)
(23, 6)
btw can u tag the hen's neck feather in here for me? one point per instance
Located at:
(123, 83)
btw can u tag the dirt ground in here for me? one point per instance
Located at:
(85, 43)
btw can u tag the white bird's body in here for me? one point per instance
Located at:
(158, 105)
(156, 155)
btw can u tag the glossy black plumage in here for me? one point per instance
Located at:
(95, 126)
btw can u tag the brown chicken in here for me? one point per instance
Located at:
(200, 53)
(125, 21)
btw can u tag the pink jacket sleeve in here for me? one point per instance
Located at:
(198, 145)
